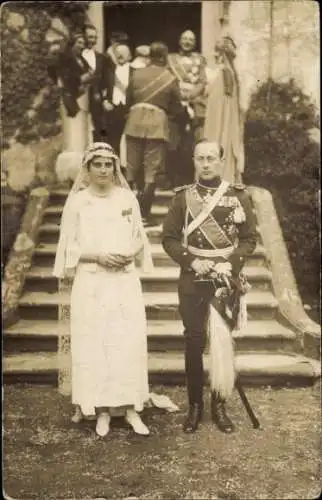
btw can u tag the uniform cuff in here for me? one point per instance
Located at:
(187, 259)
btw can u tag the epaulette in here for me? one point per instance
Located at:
(178, 189)
(239, 186)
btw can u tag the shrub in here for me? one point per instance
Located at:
(281, 157)
(24, 69)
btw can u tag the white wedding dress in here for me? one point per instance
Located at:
(108, 333)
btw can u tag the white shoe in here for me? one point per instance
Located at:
(136, 423)
(78, 416)
(103, 424)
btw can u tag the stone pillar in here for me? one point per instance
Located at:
(96, 16)
(211, 12)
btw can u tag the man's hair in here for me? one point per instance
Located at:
(89, 27)
(188, 31)
(207, 141)
(158, 52)
(142, 51)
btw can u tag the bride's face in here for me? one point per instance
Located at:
(101, 171)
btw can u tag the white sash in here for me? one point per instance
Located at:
(202, 216)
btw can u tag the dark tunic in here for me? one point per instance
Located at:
(244, 234)
(193, 302)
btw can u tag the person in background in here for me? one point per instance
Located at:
(74, 77)
(223, 120)
(114, 115)
(117, 38)
(153, 93)
(98, 88)
(188, 66)
(141, 57)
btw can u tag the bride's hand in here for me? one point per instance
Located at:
(127, 258)
(114, 260)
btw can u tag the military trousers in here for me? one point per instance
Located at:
(145, 158)
(194, 311)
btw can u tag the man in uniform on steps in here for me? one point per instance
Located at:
(210, 228)
(189, 67)
(152, 94)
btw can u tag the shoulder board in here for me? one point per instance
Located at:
(240, 186)
(181, 188)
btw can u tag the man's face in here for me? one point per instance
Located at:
(122, 53)
(91, 38)
(187, 41)
(79, 46)
(207, 161)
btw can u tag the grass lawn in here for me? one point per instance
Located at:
(46, 457)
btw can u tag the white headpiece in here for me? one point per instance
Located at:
(81, 182)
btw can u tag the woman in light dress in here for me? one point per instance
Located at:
(223, 120)
(101, 235)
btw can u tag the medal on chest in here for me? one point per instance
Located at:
(207, 196)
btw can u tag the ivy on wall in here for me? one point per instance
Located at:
(282, 157)
(24, 70)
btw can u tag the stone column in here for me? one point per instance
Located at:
(96, 16)
(211, 12)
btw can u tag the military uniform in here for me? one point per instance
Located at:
(227, 234)
(152, 94)
(190, 72)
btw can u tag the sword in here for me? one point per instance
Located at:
(245, 402)
(229, 283)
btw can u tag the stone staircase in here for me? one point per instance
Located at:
(265, 353)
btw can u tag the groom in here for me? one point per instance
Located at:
(210, 228)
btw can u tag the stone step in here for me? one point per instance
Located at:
(53, 213)
(255, 369)
(58, 196)
(161, 306)
(49, 233)
(163, 279)
(164, 336)
(44, 256)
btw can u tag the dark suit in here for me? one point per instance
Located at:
(153, 94)
(70, 71)
(114, 120)
(99, 89)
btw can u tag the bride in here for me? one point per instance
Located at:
(101, 236)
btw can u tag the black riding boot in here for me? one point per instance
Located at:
(218, 414)
(147, 200)
(193, 418)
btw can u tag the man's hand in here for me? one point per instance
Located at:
(201, 267)
(223, 268)
(108, 106)
(87, 77)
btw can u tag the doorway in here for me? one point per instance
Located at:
(146, 22)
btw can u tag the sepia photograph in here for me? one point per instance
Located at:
(160, 250)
